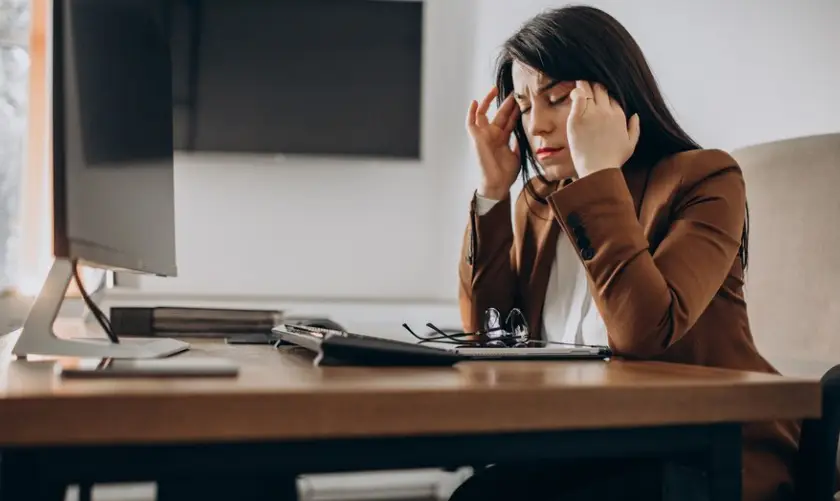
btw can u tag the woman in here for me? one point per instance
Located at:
(627, 233)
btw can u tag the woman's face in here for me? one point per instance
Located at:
(545, 105)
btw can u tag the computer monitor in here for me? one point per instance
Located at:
(113, 162)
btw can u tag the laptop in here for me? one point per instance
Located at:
(334, 347)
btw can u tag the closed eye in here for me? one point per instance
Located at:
(551, 101)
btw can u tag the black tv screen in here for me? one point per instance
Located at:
(312, 77)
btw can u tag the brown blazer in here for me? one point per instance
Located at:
(660, 246)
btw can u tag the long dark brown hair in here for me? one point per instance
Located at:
(585, 43)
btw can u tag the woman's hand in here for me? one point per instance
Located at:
(599, 134)
(499, 161)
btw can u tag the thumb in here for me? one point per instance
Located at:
(634, 129)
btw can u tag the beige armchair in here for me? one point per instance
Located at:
(793, 278)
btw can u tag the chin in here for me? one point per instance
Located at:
(558, 171)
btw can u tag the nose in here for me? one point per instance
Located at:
(541, 123)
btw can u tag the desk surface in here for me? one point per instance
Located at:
(281, 395)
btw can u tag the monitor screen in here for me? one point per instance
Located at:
(113, 160)
(120, 67)
(312, 77)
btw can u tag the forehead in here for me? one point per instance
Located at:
(527, 78)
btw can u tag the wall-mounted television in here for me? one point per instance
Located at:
(298, 77)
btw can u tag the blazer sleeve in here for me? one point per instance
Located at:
(649, 301)
(486, 271)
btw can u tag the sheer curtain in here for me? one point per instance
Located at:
(25, 151)
(15, 17)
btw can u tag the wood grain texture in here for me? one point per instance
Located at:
(281, 395)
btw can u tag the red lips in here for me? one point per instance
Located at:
(544, 152)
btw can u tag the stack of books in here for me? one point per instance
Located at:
(192, 322)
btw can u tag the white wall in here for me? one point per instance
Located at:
(362, 229)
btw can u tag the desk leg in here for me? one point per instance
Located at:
(714, 475)
(238, 486)
(22, 479)
(724, 464)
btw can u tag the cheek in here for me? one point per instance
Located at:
(562, 117)
(527, 128)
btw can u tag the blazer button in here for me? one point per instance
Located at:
(583, 242)
(587, 253)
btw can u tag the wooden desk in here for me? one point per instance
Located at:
(285, 413)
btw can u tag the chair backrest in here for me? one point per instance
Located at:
(793, 281)
(793, 277)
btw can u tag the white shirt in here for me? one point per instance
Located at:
(569, 312)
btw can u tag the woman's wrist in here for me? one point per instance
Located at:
(493, 193)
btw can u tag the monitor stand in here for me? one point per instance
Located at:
(38, 338)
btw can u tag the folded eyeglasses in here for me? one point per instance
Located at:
(514, 332)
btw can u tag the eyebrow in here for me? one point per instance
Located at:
(542, 89)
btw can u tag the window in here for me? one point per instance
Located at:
(25, 154)
(25, 223)
(15, 18)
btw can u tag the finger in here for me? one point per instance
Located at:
(579, 103)
(585, 87)
(481, 118)
(471, 114)
(602, 97)
(634, 130)
(504, 113)
(513, 119)
(488, 100)
(515, 148)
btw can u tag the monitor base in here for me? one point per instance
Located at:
(38, 338)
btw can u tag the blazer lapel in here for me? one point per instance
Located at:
(546, 247)
(545, 232)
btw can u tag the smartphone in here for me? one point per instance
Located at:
(91, 368)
